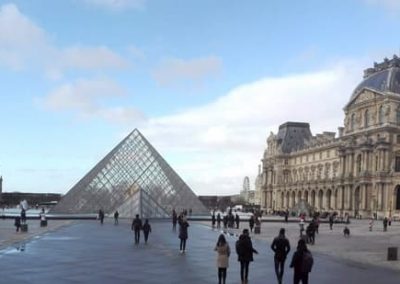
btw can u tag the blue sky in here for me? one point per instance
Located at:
(204, 81)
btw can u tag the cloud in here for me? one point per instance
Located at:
(216, 145)
(91, 58)
(118, 5)
(175, 71)
(136, 52)
(392, 6)
(86, 99)
(20, 38)
(24, 44)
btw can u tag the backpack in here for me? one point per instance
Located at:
(239, 247)
(307, 263)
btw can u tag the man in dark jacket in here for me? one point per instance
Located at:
(137, 226)
(302, 263)
(245, 250)
(281, 247)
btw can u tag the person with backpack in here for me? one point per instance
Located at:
(146, 230)
(245, 250)
(281, 248)
(136, 227)
(223, 250)
(302, 263)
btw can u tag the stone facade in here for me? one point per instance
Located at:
(357, 172)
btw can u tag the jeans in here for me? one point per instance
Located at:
(221, 275)
(183, 244)
(279, 268)
(137, 236)
(244, 270)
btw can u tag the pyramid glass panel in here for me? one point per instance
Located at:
(133, 176)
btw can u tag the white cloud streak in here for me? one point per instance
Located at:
(118, 5)
(86, 97)
(24, 44)
(175, 71)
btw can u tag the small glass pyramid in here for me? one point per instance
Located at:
(133, 179)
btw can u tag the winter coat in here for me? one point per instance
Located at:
(183, 230)
(298, 262)
(244, 249)
(223, 255)
(281, 247)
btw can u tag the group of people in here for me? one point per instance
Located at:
(302, 260)
(229, 220)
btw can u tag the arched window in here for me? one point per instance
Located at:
(380, 115)
(358, 164)
(366, 119)
(352, 121)
(398, 197)
(398, 115)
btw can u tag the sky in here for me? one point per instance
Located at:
(204, 81)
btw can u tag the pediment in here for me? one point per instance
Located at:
(363, 96)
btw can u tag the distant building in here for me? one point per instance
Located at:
(356, 173)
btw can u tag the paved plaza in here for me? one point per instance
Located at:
(87, 252)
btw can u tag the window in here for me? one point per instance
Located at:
(376, 163)
(352, 121)
(397, 164)
(398, 198)
(366, 119)
(398, 139)
(380, 115)
(398, 115)
(358, 164)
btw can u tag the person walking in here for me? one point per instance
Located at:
(17, 223)
(116, 215)
(101, 216)
(23, 216)
(237, 220)
(223, 253)
(136, 227)
(245, 250)
(146, 230)
(218, 220)
(302, 263)
(385, 224)
(174, 220)
(330, 221)
(281, 248)
(251, 223)
(183, 233)
(213, 220)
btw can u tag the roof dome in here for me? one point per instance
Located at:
(383, 77)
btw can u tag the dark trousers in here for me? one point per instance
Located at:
(137, 236)
(279, 268)
(183, 244)
(244, 270)
(303, 277)
(146, 236)
(115, 221)
(221, 275)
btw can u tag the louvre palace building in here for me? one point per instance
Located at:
(357, 172)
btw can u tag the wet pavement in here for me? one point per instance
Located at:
(87, 252)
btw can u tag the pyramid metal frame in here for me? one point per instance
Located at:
(132, 177)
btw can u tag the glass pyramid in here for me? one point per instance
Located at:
(133, 179)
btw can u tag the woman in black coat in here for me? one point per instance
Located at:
(183, 233)
(245, 250)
